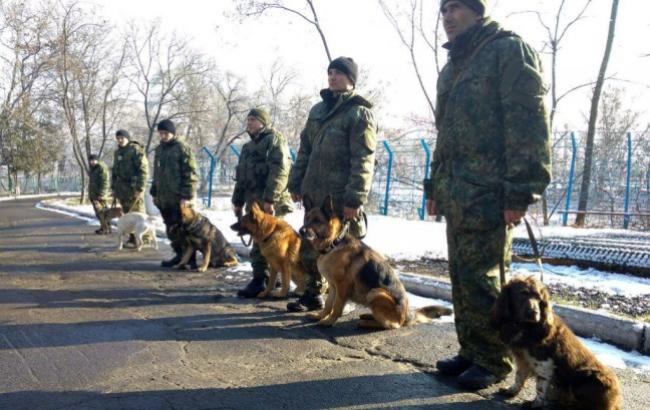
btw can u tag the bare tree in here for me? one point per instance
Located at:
(593, 116)
(160, 64)
(276, 82)
(233, 97)
(250, 8)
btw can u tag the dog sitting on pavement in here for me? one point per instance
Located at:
(279, 243)
(356, 272)
(198, 233)
(135, 223)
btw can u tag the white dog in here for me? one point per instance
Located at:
(135, 223)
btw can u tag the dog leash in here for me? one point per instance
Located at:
(537, 255)
(241, 236)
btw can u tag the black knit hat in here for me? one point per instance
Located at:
(167, 125)
(477, 5)
(347, 66)
(92, 157)
(122, 133)
(261, 115)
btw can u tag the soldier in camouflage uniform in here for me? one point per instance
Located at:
(262, 174)
(174, 184)
(336, 157)
(491, 161)
(129, 175)
(97, 186)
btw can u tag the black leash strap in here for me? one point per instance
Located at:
(241, 236)
(536, 254)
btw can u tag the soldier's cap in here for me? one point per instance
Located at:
(167, 125)
(92, 157)
(477, 5)
(122, 133)
(261, 115)
(347, 66)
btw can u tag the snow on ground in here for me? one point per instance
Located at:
(11, 197)
(617, 358)
(611, 283)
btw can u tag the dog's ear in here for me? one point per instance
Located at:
(546, 311)
(500, 313)
(307, 203)
(328, 206)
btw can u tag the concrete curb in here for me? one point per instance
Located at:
(625, 333)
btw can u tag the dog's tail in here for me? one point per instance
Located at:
(427, 314)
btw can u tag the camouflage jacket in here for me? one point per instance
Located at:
(174, 173)
(337, 151)
(263, 170)
(493, 147)
(130, 169)
(98, 181)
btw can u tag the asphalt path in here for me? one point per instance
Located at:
(83, 326)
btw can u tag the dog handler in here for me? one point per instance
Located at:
(491, 161)
(174, 184)
(336, 157)
(97, 186)
(261, 177)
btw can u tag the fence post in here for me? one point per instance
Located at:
(569, 189)
(384, 209)
(293, 154)
(235, 150)
(626, 218)
(427, 160)
(210, 175)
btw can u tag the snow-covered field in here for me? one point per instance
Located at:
(407, 240)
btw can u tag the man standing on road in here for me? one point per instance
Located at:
(336, 157)
(491, 161)
(174, 184)
(97, 186)
(129, 175)
(262, 174)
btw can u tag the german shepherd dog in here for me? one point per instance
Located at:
(356, 272)
(197, 233)
(280, 245)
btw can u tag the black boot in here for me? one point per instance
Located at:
(255, 286)
(453, 366)
(192, 261)
(477, 378)
(175, 260)
(306, 302)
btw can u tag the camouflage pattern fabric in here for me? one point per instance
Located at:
(98, 183)
(336, 157)
(174, 174)
(492, 153)
(263, 171)
(129, 176)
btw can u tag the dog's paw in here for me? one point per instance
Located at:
(314, 316)
(326, 321)
(278, 294)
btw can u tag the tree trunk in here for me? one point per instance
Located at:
(593, 116)
(82, 197)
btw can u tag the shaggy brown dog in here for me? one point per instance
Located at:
(198, 233)
(545, 347)
(280, 245)
(356, 272)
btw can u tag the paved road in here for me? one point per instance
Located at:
(85, 327)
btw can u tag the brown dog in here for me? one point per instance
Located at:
(106, 215)
(356, 272)
(198, 233)
(545, 347)
(280, 245)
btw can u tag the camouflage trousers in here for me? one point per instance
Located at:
(309, 256)
(258, 263)
(474, 270)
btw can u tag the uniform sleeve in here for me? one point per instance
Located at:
(363, 143)
(279, 164)
(153, 190)
(142, 169)
(238, 194)
(189, 176)
(299, 167)
(526, 127)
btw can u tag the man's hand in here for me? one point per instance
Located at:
(185, 203)
(431, 207)
(237, 210)
(350, 213)
(296, 198)
(512, 216)
(268, 208)
(137, 194)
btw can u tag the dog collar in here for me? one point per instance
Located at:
(339, 239)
